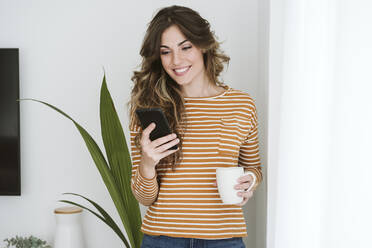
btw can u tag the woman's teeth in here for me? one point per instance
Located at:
(180, 72)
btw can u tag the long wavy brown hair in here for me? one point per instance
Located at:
(153, 87)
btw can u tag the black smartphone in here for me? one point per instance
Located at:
(156, 115)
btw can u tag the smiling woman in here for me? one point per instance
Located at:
(214, 126)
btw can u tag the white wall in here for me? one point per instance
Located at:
(263, 107)
(63, 47)
(320, 124)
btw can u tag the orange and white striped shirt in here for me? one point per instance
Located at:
(221, 132)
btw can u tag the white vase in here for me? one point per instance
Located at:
(69, 233)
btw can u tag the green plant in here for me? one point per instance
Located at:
(30, 242)
(115, 171)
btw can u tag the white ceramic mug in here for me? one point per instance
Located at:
(227, 178)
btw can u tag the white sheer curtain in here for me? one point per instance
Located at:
(320, 138)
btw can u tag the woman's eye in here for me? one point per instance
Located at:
(166, 52)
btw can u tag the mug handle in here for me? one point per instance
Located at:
(254, 179)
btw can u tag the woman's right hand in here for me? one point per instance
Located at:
(154, 151)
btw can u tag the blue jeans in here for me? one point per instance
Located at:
(150, 241)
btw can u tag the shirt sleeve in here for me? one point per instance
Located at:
(249, 156)
(144, 190)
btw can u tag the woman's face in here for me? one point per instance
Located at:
(180, 58)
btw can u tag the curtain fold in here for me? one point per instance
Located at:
(319, 124)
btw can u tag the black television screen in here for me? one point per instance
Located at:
(10, 174)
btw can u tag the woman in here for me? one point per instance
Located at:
(214, 126)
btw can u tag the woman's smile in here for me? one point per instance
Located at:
(181, 71)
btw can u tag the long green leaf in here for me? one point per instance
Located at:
(105, 216)
(118, 232)
(100, 162)
(116, 174)
(120, 163)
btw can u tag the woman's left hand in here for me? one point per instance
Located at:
(244, 183)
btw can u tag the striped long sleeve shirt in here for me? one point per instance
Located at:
(221, 132)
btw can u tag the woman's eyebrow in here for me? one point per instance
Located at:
(179, 44)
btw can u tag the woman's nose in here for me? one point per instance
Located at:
(176, 58)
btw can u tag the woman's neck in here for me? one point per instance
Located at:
(201, 89)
